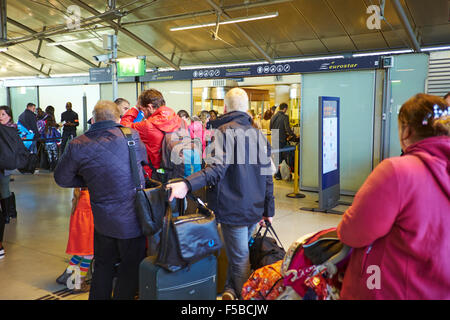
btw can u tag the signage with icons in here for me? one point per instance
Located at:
(131, 67)
(265, 69)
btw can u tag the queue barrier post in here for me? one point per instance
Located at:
(296, 193)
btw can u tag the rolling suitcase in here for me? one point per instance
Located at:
(196, 282)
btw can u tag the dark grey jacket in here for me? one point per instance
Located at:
(99, 160)
(29, 120)
(280, 121)
(240, 190)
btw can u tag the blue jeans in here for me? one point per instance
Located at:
(236, 245)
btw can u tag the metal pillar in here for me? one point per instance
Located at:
(115, 88)
(405, 22)
(3, 18)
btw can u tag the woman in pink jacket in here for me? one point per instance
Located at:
(399, 223)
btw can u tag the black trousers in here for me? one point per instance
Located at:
(107, 252)
(65, 137)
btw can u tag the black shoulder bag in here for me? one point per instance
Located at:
(186, 239)
(150, 201)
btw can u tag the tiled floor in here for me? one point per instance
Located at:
(35, 243)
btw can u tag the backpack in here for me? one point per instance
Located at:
(41, 125)
(13, 153)
(25, 134)
(181, 155)
(265, 283)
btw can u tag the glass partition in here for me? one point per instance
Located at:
(127, 91)
(58, 96)
(356, 91)
(20, 97)
(407, 78)
(177, 94)
(3, 96)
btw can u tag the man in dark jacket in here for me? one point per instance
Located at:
(29, 120)
(239, 176)
(280, 123)
(99, 160)
(69, 118)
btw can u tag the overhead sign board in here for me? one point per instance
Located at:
(100, 74)
(265, 69)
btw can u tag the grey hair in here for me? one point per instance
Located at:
(236, 100)
(106, 110)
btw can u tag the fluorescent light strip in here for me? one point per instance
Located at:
(308, 59)
(51, 44)
(236, 20)
(436, 48)
(223, 65)
(4, 49)
(381, 53)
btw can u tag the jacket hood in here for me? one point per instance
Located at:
(241, 118)
(435, 154)
(165, 119)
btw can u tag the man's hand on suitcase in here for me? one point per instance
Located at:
(178, 190)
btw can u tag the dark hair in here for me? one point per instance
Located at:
(419, 113)
(121, 100)
(151, 96)
(447, 95)
(30, 104)
(283, 106)
(273, 109)
(213, 111)
(8, 112)
(268, 115)
(50, 110)
(183, 114)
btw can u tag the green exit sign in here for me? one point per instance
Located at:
(131, 67)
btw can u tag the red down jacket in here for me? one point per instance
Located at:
(151, 130)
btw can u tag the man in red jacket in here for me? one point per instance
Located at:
(159, 119)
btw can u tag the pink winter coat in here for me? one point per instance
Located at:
(400, 222)
(196, 130)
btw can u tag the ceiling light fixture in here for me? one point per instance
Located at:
(309, 59)
(436, 48)
(4, 49)
(57, 43)
(235, 20)
(381, 53)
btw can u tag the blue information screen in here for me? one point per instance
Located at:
(330, 141)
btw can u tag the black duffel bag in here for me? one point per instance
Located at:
(13, 153)
(265, 250)
(186, 239)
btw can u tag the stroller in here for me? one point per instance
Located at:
(312, 269)
(314, 266)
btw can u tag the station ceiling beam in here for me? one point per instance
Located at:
(61, 47)
(406, 24)
(24, 64)
(129, 34)
(220, 11)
